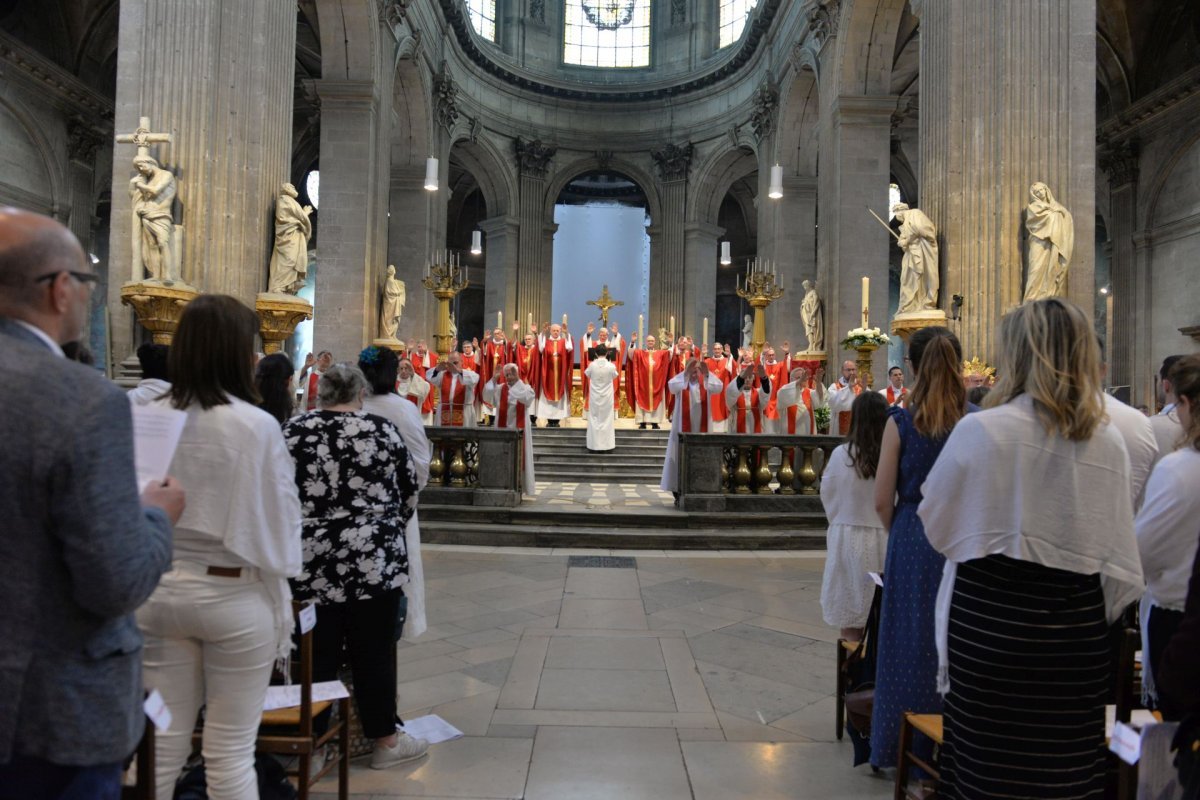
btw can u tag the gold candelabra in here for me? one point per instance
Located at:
(760, 289)
(445, 277)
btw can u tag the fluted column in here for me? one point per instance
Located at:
(1007, 99)
(217, 75)
(700, 288)
(534, 270)
(667, 281)
(1121, 164)
(501, 237)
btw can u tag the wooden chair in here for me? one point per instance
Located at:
(1126, 696)
(844, 648)
(144, 789)
(929, 725)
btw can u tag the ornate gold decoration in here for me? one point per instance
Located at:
(445, 278)
(906, 325)
(158, 306)
(741, 473)
(787, 475)
(576, 399)
(977, 367)
(278, 317)
(605, 302)
(760, 290)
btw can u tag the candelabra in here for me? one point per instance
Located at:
(760, 288)
(445, 277)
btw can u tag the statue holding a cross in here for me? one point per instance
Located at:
(152, 192)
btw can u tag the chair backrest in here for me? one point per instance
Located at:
(1124, 678)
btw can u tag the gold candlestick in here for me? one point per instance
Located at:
(760, 290)
(445, 279)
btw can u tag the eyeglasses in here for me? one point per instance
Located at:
(82, 277)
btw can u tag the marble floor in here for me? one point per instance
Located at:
(705, 676)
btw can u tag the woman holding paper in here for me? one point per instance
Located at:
(358, 490)
(223, 614)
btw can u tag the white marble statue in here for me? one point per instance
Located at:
(813, 315)
(393, 305)
(453, 329)
(747, 331)
(919, 267)
(1051, 242)
(152, 192)
(293, 229)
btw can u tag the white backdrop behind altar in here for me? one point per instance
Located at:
(597, 244)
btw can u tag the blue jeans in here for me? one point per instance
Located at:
(28, 778)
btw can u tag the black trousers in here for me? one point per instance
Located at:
(366, 631)
(1161, 627)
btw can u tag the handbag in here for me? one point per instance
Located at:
(859, 678)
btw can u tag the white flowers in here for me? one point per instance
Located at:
(867, 335)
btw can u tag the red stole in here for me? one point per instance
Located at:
(494, 356)
(502, 411)
(891, 394)
(844, 416)
(420, 367)
(647, 379)
(778, 375)
(310, 396)
(556, 369)
(449, 415)
(754, 408)
(720, 409)
(685, 400)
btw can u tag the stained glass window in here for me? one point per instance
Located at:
(607, 33)
(734, 14)
(483, 17)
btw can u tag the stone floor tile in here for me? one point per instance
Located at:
(604, 653)
(471, 715)
(607, 763)
(438, 665)
(406, 652)
(493, 672)
(604, 690)
(619, 584)
(737, 729)
(753, 697)
(582, 612)
(520, 690)
(482, 638)
(492, 652)
(814, 721)
(759, 771)
(686, 684)
(438, 689)
(681, 592)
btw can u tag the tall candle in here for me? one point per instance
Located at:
(672, 328)
(865, 301)
(641, 320)
(705, 339)
(500, 320)
(529, 320)
(564, 320)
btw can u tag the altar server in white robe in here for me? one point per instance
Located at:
(413, 388)
(691, 388)
(456, 392)
(747, 398)
(512, 398)
(601, 414)
(841, 397)
(796, 404)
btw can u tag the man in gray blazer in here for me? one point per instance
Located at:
(78, 551)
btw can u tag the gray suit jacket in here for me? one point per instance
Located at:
(78, 555)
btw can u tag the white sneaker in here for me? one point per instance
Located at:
(404, 750)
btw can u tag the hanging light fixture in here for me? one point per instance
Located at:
(726, 259)
(776, 190)
(431, 174)
(476, 242)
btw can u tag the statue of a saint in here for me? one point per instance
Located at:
(293, 229)
(747, 331)
(393, 305)
(813, 315)
(152, 191)
(1051, 243)
(919, 267)
(453, 329)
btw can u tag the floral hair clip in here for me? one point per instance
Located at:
(369, 355)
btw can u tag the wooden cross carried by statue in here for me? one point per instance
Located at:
(604, 303)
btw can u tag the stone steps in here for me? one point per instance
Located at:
(560, 454)
(482, 535)
(628, 517)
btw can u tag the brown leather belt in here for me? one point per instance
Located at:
(225, 572)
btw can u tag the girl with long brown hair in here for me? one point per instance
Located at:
(1030, 504)
(906, 669)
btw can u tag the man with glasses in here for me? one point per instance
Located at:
(78, 551)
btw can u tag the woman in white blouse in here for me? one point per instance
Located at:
(222, 616)
(1029, 502)
(1168, 526)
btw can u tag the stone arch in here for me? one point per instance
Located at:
(413, 137)
(481, 158)
(51, 166)
(798, 134)
(350, 43)
(570, 172)
(1162, 178)
(866, 45)
(721, 171)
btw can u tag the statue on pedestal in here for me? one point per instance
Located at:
(393, 305)
(919, 268)
(813, 315)
(1051, 243)
(152, 192)
(747, 331)
(289, 258)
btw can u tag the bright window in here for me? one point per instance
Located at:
(483, 17)
(607, 33)
(734, 14)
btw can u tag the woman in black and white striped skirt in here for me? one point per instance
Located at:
(1030, 504)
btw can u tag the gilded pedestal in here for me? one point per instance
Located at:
(278, 316)
(863, 361)
(158, 305)
(905, 325)
(395, 345)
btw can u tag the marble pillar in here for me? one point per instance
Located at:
(1007, 99)
(410, 208)
(702, 253)
(1121, 164)
(501, 237)
(669, 274)
(218, 76)
(534, 275)
(855, 172)
(348, 276)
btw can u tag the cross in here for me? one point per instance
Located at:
(143, 138)
(604, 303)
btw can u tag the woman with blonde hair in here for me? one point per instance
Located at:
(1029, 502)
(906, 669)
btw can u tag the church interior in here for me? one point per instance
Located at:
(816, 180)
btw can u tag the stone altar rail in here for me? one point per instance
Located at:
(761, 472)
(474, 466)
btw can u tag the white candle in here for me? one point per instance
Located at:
(672, 328)
(641, 320)
(865, 300)
(564, 320)
(704, 340)
(500, 320)
(529, 319)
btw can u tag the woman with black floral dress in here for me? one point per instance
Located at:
(358, 490)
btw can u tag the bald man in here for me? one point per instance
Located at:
(78, 551)
(841, 397)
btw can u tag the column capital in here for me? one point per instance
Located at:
(502, 225)
(673, 161)
(533, 157)
(865, 108)
(699, 229)
(1120, 161)
(346, 93)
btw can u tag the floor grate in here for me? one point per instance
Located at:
(612, 562)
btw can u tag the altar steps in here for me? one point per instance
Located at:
(560, 454)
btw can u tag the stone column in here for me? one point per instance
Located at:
(347, 294)
(700, 287)
(218, 76)
(668, 276)
(500, 243)
(855, 170)
(1143, 363)
(409, 214)
(794, 253)
(1007, 99)
(533, 273)
(1121, 164)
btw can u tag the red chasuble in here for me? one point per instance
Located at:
(742, 412)
(556, 368)
(778, 375)
(452, 408)
(719, 409)
(891, 394)
(527, 361)
(646, 378)
(685, 401)
(494, 357)
(502, 411)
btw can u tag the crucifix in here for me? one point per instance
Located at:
(604, 303)
(143, 138)
(152, 195)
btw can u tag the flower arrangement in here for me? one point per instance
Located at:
(822, 417)
(858, 337)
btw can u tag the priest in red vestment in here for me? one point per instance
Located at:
(495, 354)
(841, 397)
(308, 376)
(777, 371)
(423, 361)
(720, 364)
(525, 355)
(646, 382)
(895, 392)
(556, 351)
